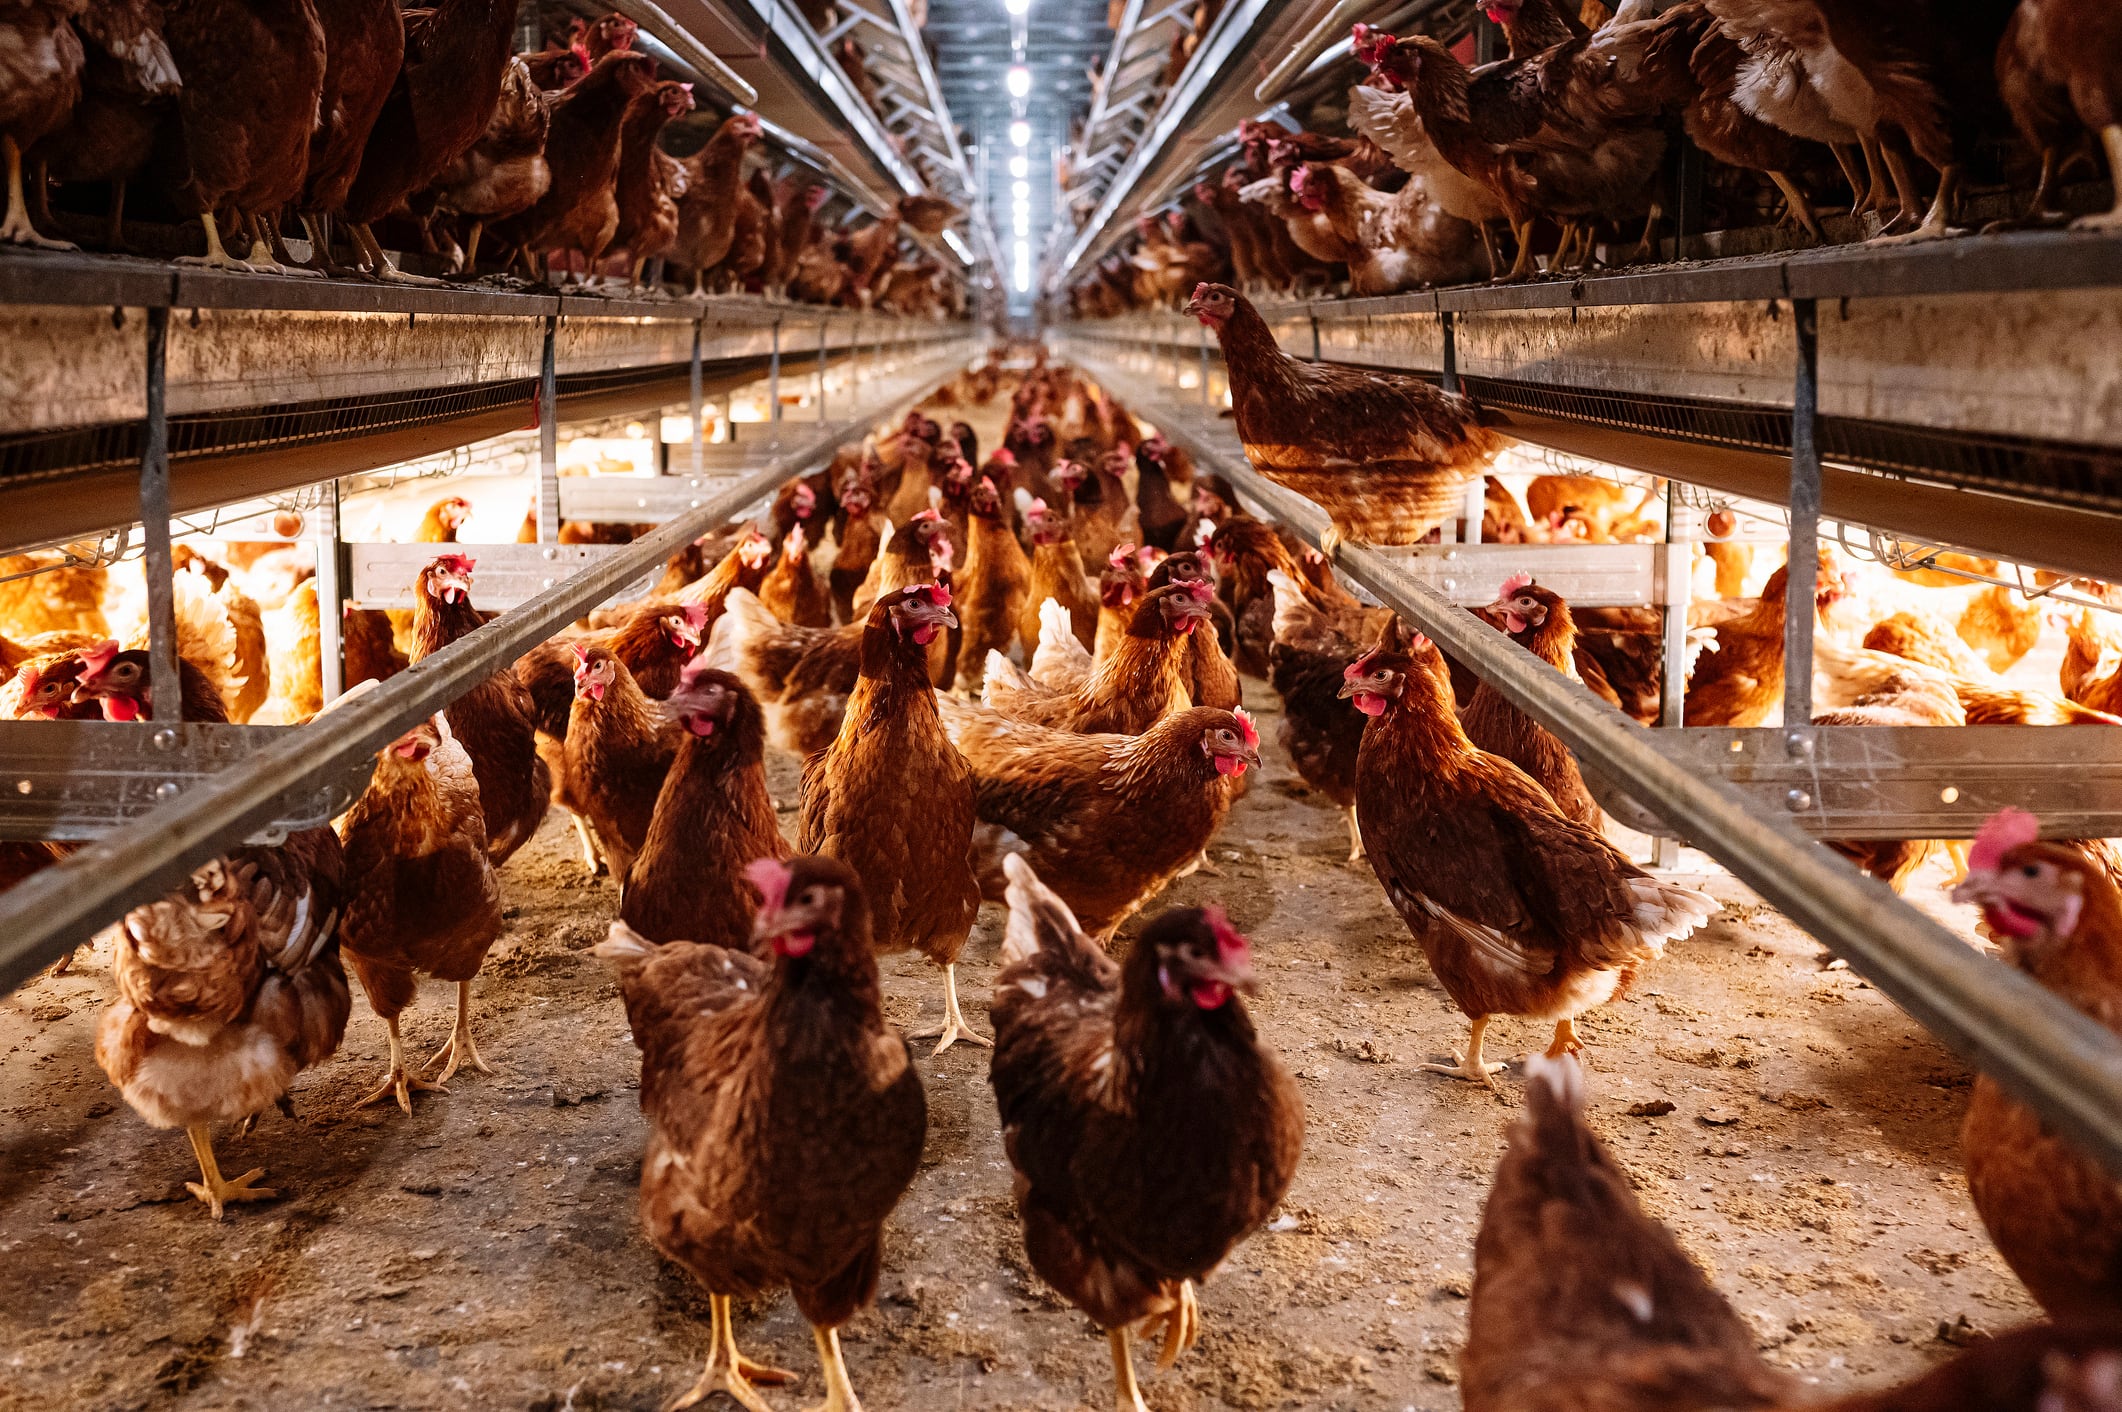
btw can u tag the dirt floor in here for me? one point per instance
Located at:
(1796, 1130)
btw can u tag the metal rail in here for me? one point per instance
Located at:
(2060, 1062)
(63, 905)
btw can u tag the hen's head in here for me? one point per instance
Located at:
(1070, 474)
(917, 613)
(2033, 894)
(595, 669)
(415, 745)
(709, 702)
(1310, 185)
(448, 579)
(1503, 12)
(44, 687)
(1043, 524)
(754, 550)
(683, 624)
(1523, 606)
(1185, 566)
(614, 31)
(794, 543)
(1230, 740)
(116, 680)
(932, 532)
(986, 501)
(1173, 610)
(803, 500)
(1198, 958)
(452, 513)
(1380, 676)
(1213, 305)
(805, 901)
(676, 99)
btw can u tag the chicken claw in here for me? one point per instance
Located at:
(2111, 139)
(216, 1189)
(460, 1048)
(215, 258)
(953, 1027)
(1565, 1041)
(728, 1370)
(1468, 1066)
(397, 1081)
(1182, 1326)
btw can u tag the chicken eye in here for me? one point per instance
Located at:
(2031, 871)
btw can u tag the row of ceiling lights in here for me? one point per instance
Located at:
(1019, 83)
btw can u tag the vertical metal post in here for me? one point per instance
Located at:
(331, 597)
(773, 379)
(1202, 330)
(1804, 563)
(824, 328)
(548, 441)
(693, 399)
(1477, 489)
(1675, 581)
(855, 360)
(166, 704)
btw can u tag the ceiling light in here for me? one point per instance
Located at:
(1021, 190)
(1023, 224)
(1019, 166)
(1020, 134)
(1016, 7)
(1020, 80)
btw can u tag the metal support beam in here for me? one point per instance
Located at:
(331, 595)
(822, 329)
(773, 378)
(166, 704)
(693, 395)
(1804, 562)
(548, 441)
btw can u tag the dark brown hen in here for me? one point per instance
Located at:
(1386, 456)
(786, 1118)
(1150, 1127)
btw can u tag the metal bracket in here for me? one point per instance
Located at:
(74, 780)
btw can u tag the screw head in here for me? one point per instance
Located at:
(1797, 801)
(164, 738)
(168, 789)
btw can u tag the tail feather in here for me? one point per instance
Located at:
(1008, 673)
(1667, 911)
(1038, 920)
(624, 947)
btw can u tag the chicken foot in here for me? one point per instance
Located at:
(1182, 1326)
(1523, 269)
(728, 1370)
(839, 1391)
(1355, 836)
(216, 1189)
(460, 1047)
(1874, 195)
(953, 1027)
(1468, 1066)
(320, 248)
(2111, 139)
(1937, 222)
(378, 264)
(592, 855)
(215, 258)
(18, 228)
(1565, 1040)
(1128, 1392)
(1801, 207)
(269, 253)
(1909, 195)
(398, 1081)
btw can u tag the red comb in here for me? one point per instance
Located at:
(772, 878)
(1245, 723)
(939, 594)
(1359, 667)
(696, 614)
(1121, 556)
(581, 652)
(2001, 833)
(457, 563)
(1230, 942)
(1516, 583)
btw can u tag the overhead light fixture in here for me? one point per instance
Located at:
(1020, 166)
(1020, 80)
(1020, 190)
(1023, 224)
(1017, 7)
(1020, 134)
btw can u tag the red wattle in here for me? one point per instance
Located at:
(1229, 765)
(1370, 704)
(1210, 995)
(925, 634)
(120, 708)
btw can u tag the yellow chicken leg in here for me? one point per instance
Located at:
(215, 258)
(1565, 1040)
(728, 1370)
(2111, 139)
(460, 1049)
(397, 1081)
(216, 1189)
(16, 228)
(1469, 1066)
(1128, 1393)
(839, 1392)
(1355, 837)
(1182, 1325)
(953, 1027)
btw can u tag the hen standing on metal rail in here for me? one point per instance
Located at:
(1386, 457)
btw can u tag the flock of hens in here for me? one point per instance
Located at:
(982, 718)
(1451, 173)
(347, 115)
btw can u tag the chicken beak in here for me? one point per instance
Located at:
(1362, 686)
